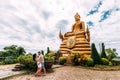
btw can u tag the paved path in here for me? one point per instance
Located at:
(6, 71)
(74, 73)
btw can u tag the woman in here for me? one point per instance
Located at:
(36, 58)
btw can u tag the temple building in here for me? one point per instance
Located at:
(77, 40)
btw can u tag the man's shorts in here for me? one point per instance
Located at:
(42, 64)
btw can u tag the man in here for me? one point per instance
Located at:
(41, 58)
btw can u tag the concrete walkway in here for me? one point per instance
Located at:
(73, 73)
(6, 71)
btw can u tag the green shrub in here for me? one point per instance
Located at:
(62, 60)
(95, 56)
(9, 61)
(103, 54)
(48, 58)
(51, 54)
(48, 50)
(115, 61)
(105, 61)
(76, 57)
(27, 61)
(111, 53)
(88, 62)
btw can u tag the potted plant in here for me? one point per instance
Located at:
(49, 60)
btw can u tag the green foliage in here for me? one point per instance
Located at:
(95, 56)
(115, 61)
(9, 61)
(50, 56)
(51, 53)
(4, 54)
(88, 62)
(76, 57)
(103, 54)
(42, 52)
(12, 50)
(57, 55)
(111, 53)
(105, 61)
(27, 61)
(20, 51)
(48, 50)
(62, 60)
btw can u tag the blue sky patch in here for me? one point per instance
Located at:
(95, 9)
(90, 23)
(105, 15)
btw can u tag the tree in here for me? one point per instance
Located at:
(3, 54)
(42, 52)
(95, 56)
(48, 50)
(11, 50)
(20, 51)
(14, 50)
(103, 54)
(111, 53)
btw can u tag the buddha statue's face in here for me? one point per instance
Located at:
(77, 17)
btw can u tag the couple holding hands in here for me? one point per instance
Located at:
(40, 64)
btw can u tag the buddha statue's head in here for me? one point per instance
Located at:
(77, 17)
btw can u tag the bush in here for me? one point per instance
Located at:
(10, 61)
(48, 50)
(57, 55)
(95, 56)
(115, 61)
(62, 60)
(27, 61)
(103, 54)
(88, 62)
(76, 58)
(51, 54)
(111, 53)
(48, 58)
(105, 61)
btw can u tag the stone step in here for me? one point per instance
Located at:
(63, 49)
(82, 45)
(83, 52)
(80, 36)
(81, 49)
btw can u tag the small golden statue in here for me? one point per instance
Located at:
(78, 40)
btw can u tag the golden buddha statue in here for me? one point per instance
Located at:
(76, 41)
(79, 25)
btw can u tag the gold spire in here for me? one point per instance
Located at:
(60, 35)
(87, 30)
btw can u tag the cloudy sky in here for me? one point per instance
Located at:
(35, 24)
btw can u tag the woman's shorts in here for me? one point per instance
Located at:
(39, 65)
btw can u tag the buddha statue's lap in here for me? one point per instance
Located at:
(77, 28)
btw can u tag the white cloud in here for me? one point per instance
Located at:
(33, 23)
